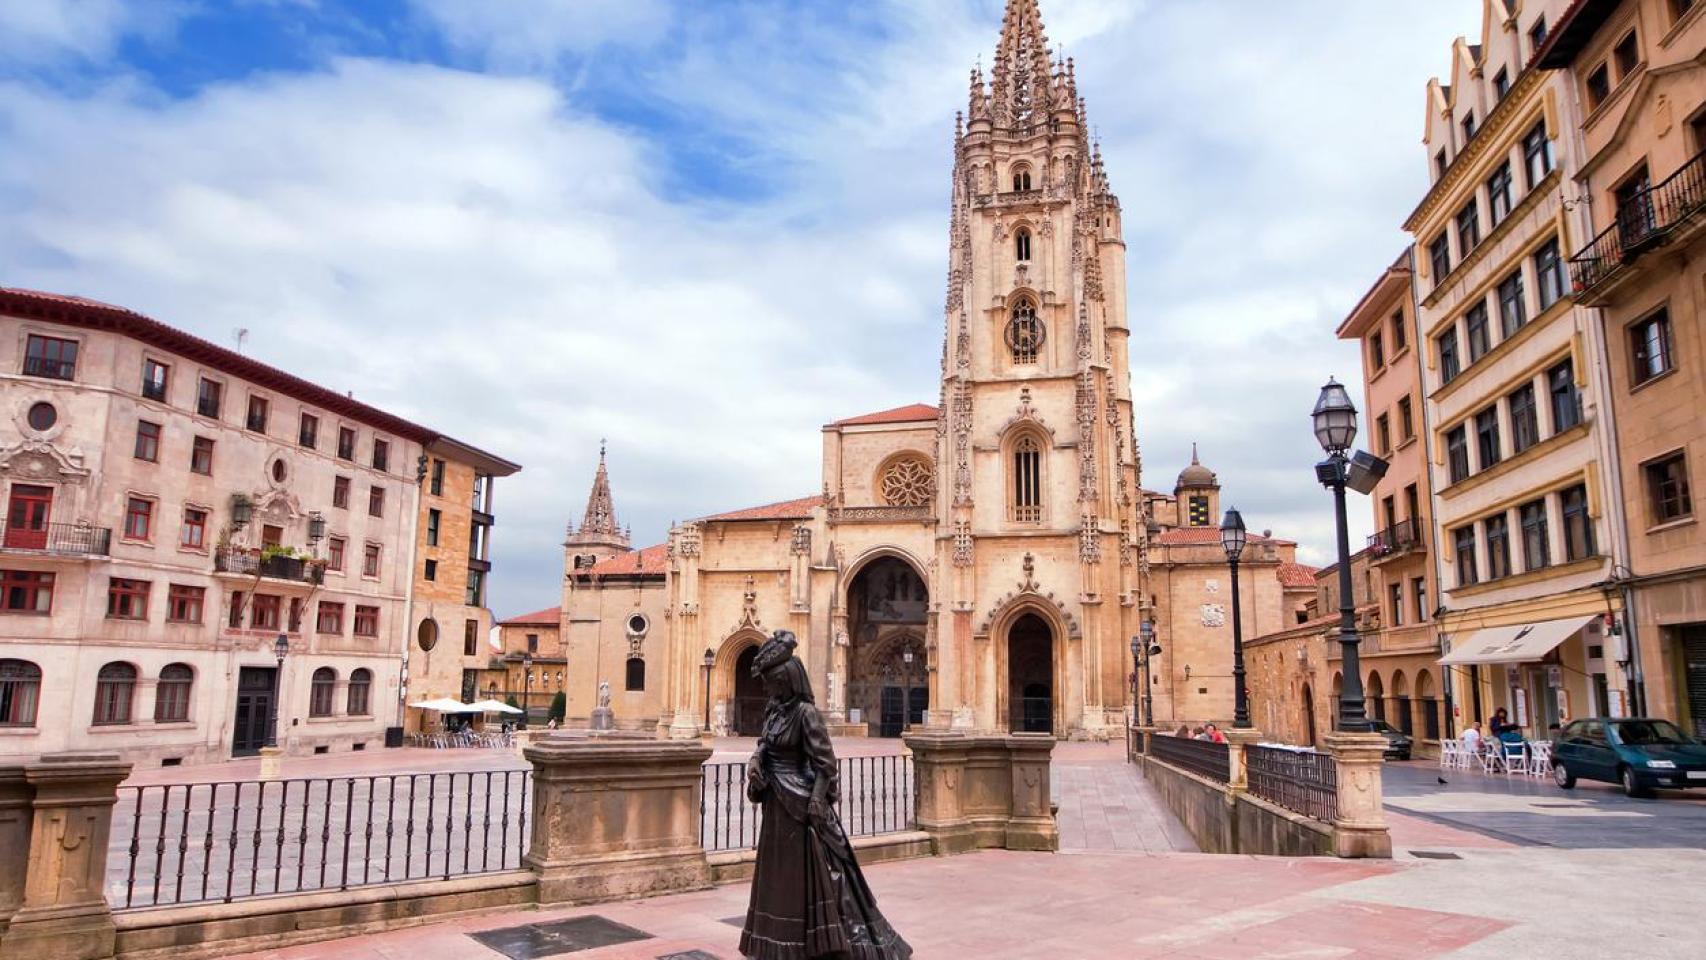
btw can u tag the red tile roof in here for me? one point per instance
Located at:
(1296, 575)
(906, 414)
(1179, 535)
(649, 560)
(93, 314)
(786, 510)
(550, 615)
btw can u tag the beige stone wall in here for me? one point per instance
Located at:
(87, 459)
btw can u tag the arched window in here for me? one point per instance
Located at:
(1027, 481)
(1024, 332)
(115, 689)
(320, 692)
(1021, 178)
(20, 691)
(172, 693)
(1022, 244)
(360, 682)
(636, 673)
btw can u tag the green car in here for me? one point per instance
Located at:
(1638, 752)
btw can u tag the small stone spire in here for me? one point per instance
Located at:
(599, 526)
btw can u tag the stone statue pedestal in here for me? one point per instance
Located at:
(271, 761)
(616, 817)
(603, 718)
(1360, 830)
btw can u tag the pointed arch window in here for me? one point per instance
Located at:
(1027, 481)
(636, 674)
(1024, 332)
(1022, 244)
(1021, 178)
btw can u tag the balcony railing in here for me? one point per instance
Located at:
(278, 567)
(60, 539)
(1401, 537)
(1642, 222)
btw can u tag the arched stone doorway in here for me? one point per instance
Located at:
(746, 707)
(1030, 675)
(1308, 716)
(887, 612)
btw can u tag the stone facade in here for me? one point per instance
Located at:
(1634, 71)
(980, 564)
(160, 538)
(1525, 505)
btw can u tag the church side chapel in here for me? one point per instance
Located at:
(979, 564)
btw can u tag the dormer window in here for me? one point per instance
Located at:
(1022, 244)
(1468, 126)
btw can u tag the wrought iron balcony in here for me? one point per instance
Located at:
(1400, 538)
(277, 567)
(57, 539)
(1650, 218)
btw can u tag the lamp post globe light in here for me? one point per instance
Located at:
(1335, 422)
(1232, 538)
(709, 662)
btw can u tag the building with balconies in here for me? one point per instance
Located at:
(1398, 655)
(1526, 513)
(1634, 70)
(194, 542)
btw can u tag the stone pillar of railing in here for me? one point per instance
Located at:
(1237, 776)
(938, 769)
(615, 817)
(65, 915)
(1030, 823)
(1360, 829)
(15, 817)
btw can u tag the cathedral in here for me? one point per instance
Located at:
(979, 564)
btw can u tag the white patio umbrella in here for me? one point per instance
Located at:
(493, 706)
(445, 705)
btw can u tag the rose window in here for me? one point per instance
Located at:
(909, 482)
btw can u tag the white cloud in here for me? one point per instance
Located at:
(36, 32)
(486, 256)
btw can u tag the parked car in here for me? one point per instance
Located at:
(1398, 743)
(1638, 752)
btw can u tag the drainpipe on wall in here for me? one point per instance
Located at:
(413, 525)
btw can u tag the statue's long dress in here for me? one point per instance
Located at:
(809, 899)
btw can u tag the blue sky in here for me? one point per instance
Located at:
(703, 228)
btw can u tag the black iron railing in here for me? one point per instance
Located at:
(1401, 536)
(878, 795)
(1641, 222)
(201, 842)
(279, 566)
(64, 539)
(1205, 758)
(1299, 780)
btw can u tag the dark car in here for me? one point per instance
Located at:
(1638, 752)
(1398, 743)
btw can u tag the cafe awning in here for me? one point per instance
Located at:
(1523, 643)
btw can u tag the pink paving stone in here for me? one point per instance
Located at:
(1415, 833)
(1352, 929)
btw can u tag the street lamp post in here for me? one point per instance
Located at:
(1232, 536)
(280, 647)
(526, 687)
(1335, 421)
(708, 664)
(1151, 649)
(906, 702)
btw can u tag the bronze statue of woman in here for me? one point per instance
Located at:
(809, 898)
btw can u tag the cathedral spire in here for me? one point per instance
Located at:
(1022, 72)
(599, 526)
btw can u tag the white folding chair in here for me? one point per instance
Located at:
(1540, 758)
(1450, 754)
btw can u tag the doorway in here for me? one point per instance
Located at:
(1030, 675)
(747, 709)
(26, 517)
(254, 710)
(888, 677)
(1308, 716)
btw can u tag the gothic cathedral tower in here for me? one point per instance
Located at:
(1041, 542)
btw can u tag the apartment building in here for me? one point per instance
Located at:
(194, 542)
(1634, 71)
(1401, 679)
(1525, 506)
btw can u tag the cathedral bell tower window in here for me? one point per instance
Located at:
(1027, 506)
(1021, 179)
(1022, 245)
(1024, 332)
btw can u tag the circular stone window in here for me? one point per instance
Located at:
(279, 471)
(43, 416)
(638, 623)
(427, 634)
(908, 482)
